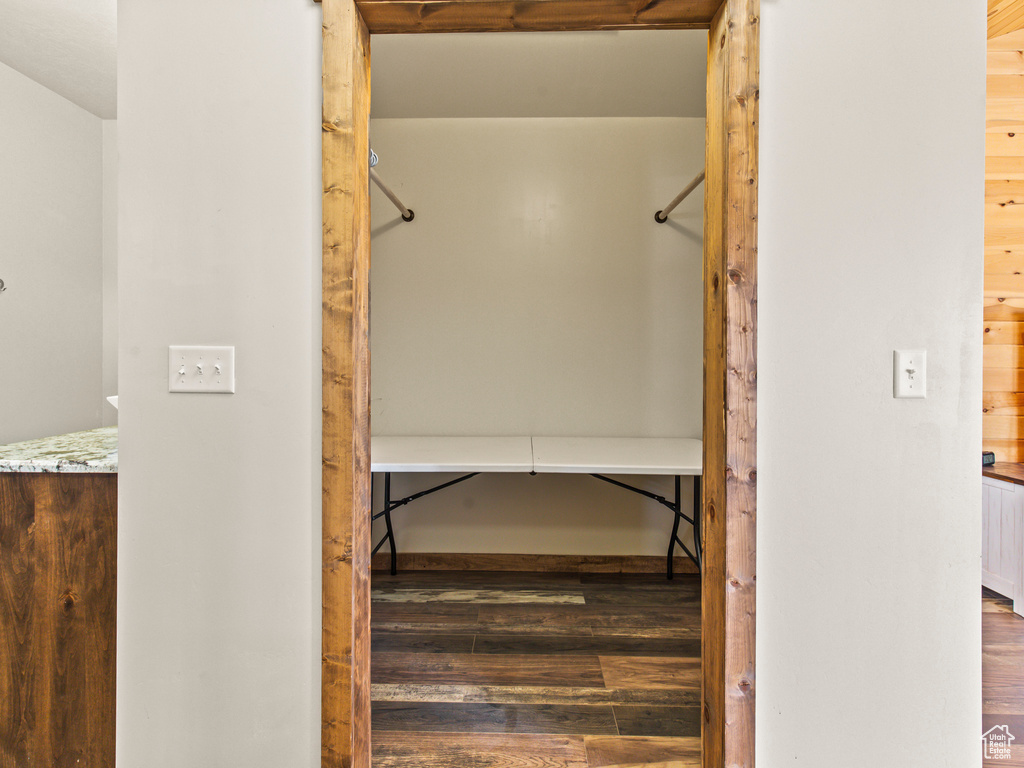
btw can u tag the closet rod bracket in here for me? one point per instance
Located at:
(662, 216)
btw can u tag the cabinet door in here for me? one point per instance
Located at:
(1002, 558)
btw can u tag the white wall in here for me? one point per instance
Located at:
(871, 232)
(872, 159)
(534, 294)
(219, 243)
(109, 269)
(51, 261)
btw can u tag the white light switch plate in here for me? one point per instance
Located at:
(909, 373)
(201, 369)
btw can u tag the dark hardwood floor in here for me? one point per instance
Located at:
(510, 670)
(1002, 673)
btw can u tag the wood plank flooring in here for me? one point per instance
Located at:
(1002, 673)
(544, 670)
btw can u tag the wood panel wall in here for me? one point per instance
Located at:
(1005, 16)
(58, 599)
(1003, 399)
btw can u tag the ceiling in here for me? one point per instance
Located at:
(646, 73)
(69, 46)
(1005, 16)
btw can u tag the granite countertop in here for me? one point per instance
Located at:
(92, 451)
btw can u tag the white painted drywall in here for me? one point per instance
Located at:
(534, 294)
(869, 517)
(109, 269)
(50, 260)
(219, 521)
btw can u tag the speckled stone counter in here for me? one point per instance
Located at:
(91, 451)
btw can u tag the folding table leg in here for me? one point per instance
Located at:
(698, 543)
(387, 522)
(677, 512)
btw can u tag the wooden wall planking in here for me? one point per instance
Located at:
(58, 599)
(1005, 16)
(1003, 407)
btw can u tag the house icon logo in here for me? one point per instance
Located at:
(996, 742)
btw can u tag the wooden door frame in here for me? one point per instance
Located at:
(730, 341)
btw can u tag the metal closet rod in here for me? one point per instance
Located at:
(662, 216)
(407, 213)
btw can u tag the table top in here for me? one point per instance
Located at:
(576, 455)
(618, 455)
(450, 454)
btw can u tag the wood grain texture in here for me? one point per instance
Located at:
(399, 749)
(1003, 356)
(465, 699)
(608, 751)
(1003, 332)
(1002, 671)
(417, 16)
(678, 722)
(1010, 472)
(58, 598)
(730, 387)
(1010, 333)
(1011, 41)
(345, 666)
(467, 669)
(1006, 450)
(538, 694)
(1000, 402)
(454, 561)
(569, 719)
(1003, 427)
(650, 672)
(1004, 308)
(1005, 16)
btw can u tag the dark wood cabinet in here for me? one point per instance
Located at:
(58, 601)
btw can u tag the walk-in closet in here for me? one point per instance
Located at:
(536, 346)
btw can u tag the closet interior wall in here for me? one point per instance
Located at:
(534, 294)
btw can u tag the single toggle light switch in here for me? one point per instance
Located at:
(909, 373)
(201, 369)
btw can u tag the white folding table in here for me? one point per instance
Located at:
(595, 456)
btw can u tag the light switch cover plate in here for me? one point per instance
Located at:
(909, 373)
(201, 369)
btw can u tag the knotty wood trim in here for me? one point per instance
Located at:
(730, 387)
(730, 352)
(412, 16)
(345, 664)
(451, 561)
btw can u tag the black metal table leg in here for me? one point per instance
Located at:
(698, 509)
(387, 522)
(676, 509)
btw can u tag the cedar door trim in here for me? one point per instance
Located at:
(730, 341)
